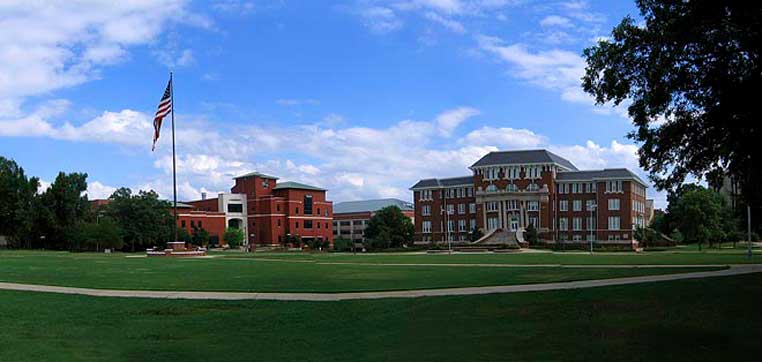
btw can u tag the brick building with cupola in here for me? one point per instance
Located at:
(509, 190)
(268, 211)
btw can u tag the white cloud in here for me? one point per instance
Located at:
(68, 41)
(449, 120)
(97, 190)
(450, 24)
(124, 127)
(504, 138)
(380, 19)
(297, 102)
(556, 20)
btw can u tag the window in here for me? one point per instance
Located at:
(577, 223)
(512, 204)
(472, 208)
(308, 224)
(613, 186)
(265, 184)
(461, 225)
(297, 224)
(473, 223)
(613, 222)
(590, 237)
(235, 208)
(533, 187)
(334, 223)
(533, 221)
(450, 209)
(590, 223)
(563, 224)
(491, 188)
(574, 188)
(193, 224)
(426, 227)
(318, 211)
(308, 204)
(425, 194)
(533, 205)
(297, 209)
(589, 205)
(613, 204)
(277, 207)
(563, 205)
(492, 206)
(461, 209)
(492, 223)
(426, 210)
(450, 225)
(577, 205)
(577, 237)
(200, 224)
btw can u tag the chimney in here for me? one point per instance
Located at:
(203, 196)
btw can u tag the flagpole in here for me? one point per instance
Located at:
(174, 158)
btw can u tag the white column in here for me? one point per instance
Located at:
(484, 212)
(500, 217)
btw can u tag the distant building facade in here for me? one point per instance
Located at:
(509, 190)
(350, 218)
(269, 211)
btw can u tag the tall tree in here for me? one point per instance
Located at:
(389, 227)
(692, 72)
(144, 219)
(699, 214)
(17, 200)
(62, 207)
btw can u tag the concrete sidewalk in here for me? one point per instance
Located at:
(732, 270)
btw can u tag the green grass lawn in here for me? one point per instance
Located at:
(291, 272)
(677, 256)
(714, 319)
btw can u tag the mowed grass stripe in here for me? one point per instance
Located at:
(217, 274)
(712, 319)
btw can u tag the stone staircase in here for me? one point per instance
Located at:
(499, 237)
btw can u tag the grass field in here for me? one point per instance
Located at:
(309, 272)
(713, 319)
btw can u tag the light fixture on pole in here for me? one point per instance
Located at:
(591, 225)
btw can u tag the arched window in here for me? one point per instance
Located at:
(491, 188)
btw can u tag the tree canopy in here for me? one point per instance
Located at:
(389, 228)
(17, 193)
(145, 220)
(63, 206)
(691, 71)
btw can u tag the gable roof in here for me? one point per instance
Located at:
(443, 182)
(295, 185)
(523, 157)
(370, 205)
(607, 173)
(252, 174)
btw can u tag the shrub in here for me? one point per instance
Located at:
(233, 237)
(342, 244)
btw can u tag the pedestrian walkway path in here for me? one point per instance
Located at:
(731, 270)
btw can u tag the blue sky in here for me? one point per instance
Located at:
(363, 97)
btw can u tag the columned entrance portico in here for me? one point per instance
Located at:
(513, 209)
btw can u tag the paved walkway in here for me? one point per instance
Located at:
(732, 270)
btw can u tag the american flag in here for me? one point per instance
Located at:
(165, 106)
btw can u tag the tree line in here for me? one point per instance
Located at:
(61, 217)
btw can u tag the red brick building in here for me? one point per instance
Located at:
(269, 211)
(189, 218)
(507, 191)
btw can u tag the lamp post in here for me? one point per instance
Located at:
(592, 226)
(748, 230)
